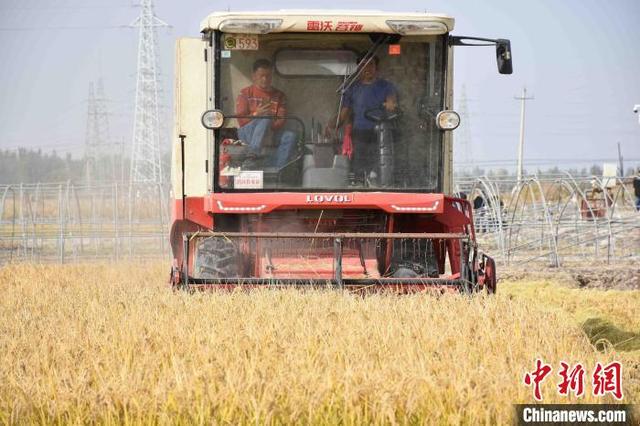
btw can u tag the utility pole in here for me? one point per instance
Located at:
(522, 100)
(620, 163)
(464, 147)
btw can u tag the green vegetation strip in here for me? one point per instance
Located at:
(609, 318)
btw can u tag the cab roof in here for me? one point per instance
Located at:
(365, 21)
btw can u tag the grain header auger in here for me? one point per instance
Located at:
(315, 148)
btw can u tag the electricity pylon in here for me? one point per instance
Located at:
(98, 161)
(146, 161)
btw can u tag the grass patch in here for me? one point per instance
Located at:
(611, 315)
(604, 335)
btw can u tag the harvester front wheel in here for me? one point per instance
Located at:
(216, 258)
(490, 279)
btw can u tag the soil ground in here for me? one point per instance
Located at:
(617, 277)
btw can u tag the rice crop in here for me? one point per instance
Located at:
(113, 344)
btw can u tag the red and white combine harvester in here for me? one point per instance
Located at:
(315, 148)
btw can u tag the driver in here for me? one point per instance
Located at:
(369, 92)
(262, 99)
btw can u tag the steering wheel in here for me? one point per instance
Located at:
(379, 114)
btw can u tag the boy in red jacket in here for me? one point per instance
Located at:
(262, 99)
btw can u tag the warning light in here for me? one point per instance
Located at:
(394, 49)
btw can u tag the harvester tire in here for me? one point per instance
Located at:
(413, 258)
(216, 258)
(490, 280)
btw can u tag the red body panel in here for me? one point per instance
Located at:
(407, 213)
(248, 203)
(450, 214)
(194, 212)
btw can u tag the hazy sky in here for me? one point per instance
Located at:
(580, 59)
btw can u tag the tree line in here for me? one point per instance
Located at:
(24, 165)
(32, 166)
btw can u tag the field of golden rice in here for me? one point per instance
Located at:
(113, 344)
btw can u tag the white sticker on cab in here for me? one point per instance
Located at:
(248, 179)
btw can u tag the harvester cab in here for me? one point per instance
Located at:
(315, 148)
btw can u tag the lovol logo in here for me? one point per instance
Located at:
(329, 198)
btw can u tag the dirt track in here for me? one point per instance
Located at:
(619, 277)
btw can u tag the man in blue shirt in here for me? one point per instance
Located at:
(367, 93)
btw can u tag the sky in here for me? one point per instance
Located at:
(578, 59)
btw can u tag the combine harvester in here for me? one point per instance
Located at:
(264, 189)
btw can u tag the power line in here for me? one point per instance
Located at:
(110, 6)
(80, 28)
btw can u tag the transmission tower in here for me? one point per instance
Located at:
(98, 161)
(146, 162)
(464, 147)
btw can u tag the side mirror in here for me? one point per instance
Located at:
(503, 56)
(503, 49)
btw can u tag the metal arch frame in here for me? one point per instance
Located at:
(570, 199)
(55, 221)
(485, 187)
(13, 217)
(554, 206)
(583, 197)
(518, 189)
(542, 218)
